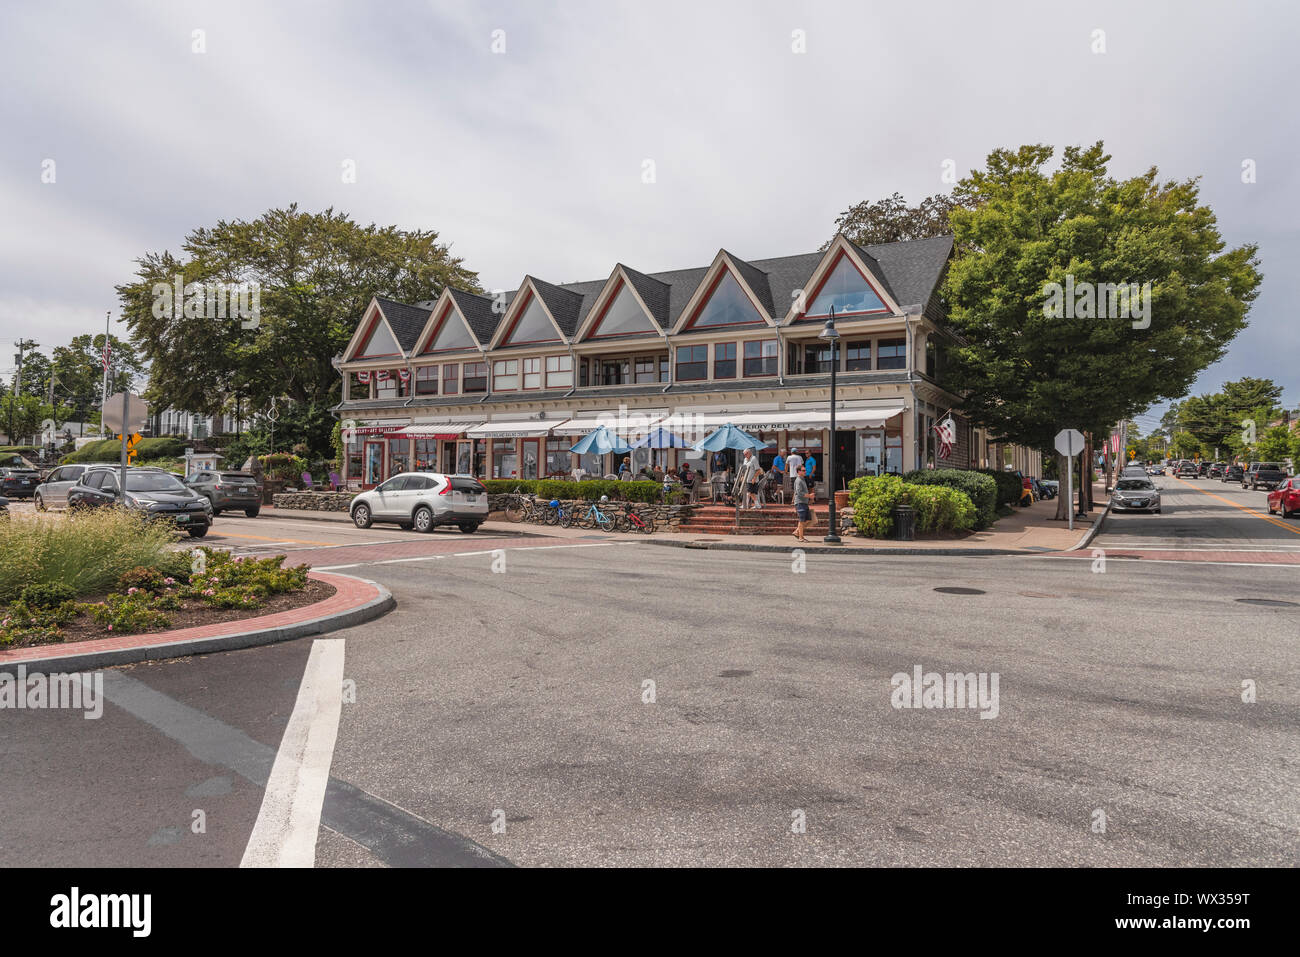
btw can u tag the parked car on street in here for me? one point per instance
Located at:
(236, 491)
(1202, 469)
(155, 492)
(1233, 473)
(1216, 469)
(1285, 498)
(1136, 494)
(4, 506)
(1187, 470)
(19, 481)
(1263, 475)
(423, 501)
(53, 491)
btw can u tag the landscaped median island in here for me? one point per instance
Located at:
(111, 573)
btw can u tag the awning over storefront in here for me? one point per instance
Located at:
(375, 429)
(638, 423)
(527, 429)
(802, 419)
(437, 430)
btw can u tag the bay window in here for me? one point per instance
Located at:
(724, 360)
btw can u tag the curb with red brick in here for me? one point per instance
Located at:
(354, 602)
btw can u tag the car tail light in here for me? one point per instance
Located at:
(445, 489)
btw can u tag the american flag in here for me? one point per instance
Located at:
(108, 351)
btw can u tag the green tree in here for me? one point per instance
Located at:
(891, 220)
(36, 374)
(1024, 374)
(316, 272)
(79, 371)
(1274, 444)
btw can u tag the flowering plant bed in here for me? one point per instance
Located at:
(219, 588)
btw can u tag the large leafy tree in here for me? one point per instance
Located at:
(1234, 417)
(892, 220)
(79, 371)
(316, 273)
(36, 375)
(1019, 226)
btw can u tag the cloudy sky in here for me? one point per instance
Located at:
(532, 159)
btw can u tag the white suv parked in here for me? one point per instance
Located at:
(423, 501)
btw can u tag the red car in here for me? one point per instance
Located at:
(1285, 498)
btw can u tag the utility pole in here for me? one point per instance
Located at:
(106, 358)
(23, 346)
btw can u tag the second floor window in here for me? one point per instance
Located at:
(450, 375)
(475, 376)
(647, 369)
(426, 380)
(505, 375)
(724, 360)
(760, 357)
(816, 358)
(532, 373)
(891, 354)
(614, 371)
(692, 363)
(559, 372)
(857, 356)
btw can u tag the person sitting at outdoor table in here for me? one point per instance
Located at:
(672, 476)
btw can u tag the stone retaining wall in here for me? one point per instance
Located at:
(665, 517)
(314, 501)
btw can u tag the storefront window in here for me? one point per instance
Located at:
(894, 453)
(399, 456)
(353, 470)
(426, 455)
(505, 461)
(557, 455)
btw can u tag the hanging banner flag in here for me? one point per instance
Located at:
(404, 375)
(381, 375)
(108, 352)
(363, 378)
(946, 432)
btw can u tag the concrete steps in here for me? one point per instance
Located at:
(770, 520)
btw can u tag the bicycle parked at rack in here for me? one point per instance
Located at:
(630, 521)
(558, 513)
(525, 508)
(594, 517)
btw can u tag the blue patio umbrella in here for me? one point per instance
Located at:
(600, 442)
(661, 439)
(728, 437)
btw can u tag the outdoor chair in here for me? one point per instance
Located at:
(306, 482)
(611, 477)
(336, 483)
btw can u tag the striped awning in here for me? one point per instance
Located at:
(437, 430)
(527, 429)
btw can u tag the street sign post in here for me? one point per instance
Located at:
(125, 412)
(1069, 442)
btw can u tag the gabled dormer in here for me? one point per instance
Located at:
(374, 337)
(733, 294)
(447, 331)
(631, 304)
(539, 314)
(849, 279)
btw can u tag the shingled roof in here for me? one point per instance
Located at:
(910, 272)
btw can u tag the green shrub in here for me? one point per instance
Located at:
(283, 465)
(940, 509)
(128, 613)
(25, 624)
(46, 594)
(981, 489)
(110, 450)
(873, 498)
(87, 552)
(587, 489)
(1009, 485)
(141, 577)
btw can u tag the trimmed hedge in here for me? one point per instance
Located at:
(109, 450)
(938, 508)
(590, 489)
(981, 489)
(1009, 485)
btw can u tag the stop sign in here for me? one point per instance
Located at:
(1069, 442)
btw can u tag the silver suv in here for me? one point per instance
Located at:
(423, 501)
(53, 492)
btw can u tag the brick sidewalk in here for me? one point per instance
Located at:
(350, 593)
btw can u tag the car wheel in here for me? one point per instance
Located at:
(40, 502)
(423, 519)
(469, 528)
(197, 532)
(252, 512)
(1286, 512)
(216, 512)
(361, 516)
(1157, 511)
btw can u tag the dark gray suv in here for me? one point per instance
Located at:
(155, 492)
(234, 491)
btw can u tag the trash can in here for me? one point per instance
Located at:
(904, 523)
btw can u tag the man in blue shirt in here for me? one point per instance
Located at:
(810, 464)
(778, 468)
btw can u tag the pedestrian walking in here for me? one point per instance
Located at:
(747, 480)
(802, 513)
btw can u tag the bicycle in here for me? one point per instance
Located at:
(559, 514)
(595, 518)
(516, 506)
(630, 521)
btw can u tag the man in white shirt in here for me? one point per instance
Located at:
(747, 480)
(792, 463)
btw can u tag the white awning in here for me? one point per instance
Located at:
(778, 420)
(527, 429)
(434, 430)
(633, 422)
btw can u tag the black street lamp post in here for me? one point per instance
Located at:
(831, 335)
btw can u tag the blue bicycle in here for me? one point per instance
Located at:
(595, 518)
(559, 514)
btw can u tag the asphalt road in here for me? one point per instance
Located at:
(520, 697)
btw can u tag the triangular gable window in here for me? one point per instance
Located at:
(623, 317)
(451, 334)
(727, 306)
(533, 325)
(379, 342)
(847, 290)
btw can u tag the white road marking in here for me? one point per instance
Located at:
(1175, 561)
(289, 821)
(489, 551)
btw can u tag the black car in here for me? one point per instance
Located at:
(1232, 473)
(19, 481)
(1267, 475)
(1202, 469)
(155, 492)
(1216, 470)
(1187, 470)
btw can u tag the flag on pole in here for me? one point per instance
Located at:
(108, 351)
(946, 432)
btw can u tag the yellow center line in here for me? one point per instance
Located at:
(263, 538)
(1245, 508)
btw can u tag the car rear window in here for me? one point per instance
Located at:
(1135, 485)
(238, 478)
(467, 485)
